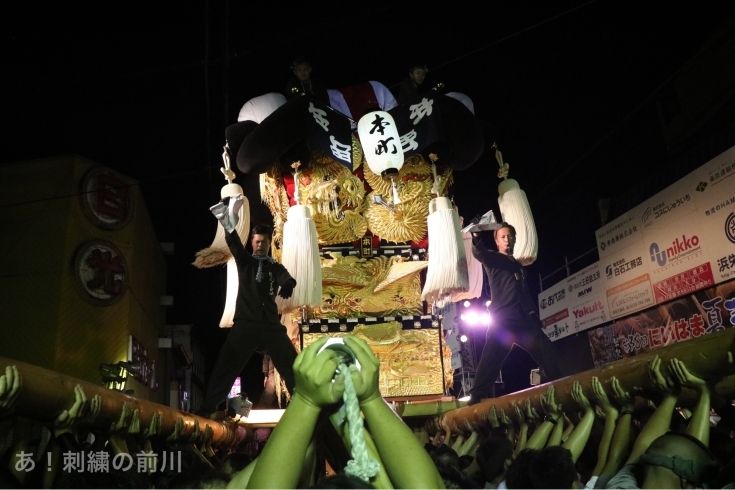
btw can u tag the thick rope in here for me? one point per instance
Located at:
(361, 465)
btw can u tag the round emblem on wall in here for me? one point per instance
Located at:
(730, 227)
(100, 272)
(107, 198)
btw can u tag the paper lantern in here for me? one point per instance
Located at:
(381, 145)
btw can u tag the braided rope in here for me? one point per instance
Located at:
(362, 465)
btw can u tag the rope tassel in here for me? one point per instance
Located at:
(218, 253)
(514, 209)
(447, 273)
(301, 254)
(301, 258)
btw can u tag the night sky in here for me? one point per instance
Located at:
(147, 88)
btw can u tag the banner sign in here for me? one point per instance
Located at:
(687, 317)
(575, 304)
(680, 241)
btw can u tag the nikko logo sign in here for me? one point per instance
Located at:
(678, 248)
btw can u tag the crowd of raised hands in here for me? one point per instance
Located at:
(612, 437)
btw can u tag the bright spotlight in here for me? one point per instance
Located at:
(485, 319)
(462, 317)
(487, 303)
(463, 338)
(467, 304)
(472, 318)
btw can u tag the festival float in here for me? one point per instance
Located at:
(358, 190)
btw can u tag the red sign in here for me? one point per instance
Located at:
(683, 283)
(556, 317)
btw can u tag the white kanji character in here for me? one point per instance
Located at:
(98, 462)
(408, 141)
(340, 150)
(25, 462)
(421, 109)
(122, 457)
(146, 461)
(73, 461)
(320, 116)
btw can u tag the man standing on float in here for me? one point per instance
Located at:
(257, 324)
(514, 316)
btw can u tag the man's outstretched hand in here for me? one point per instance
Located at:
(287, 290)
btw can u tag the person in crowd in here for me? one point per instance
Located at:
(302, 83)
(515, 320)
(257, 324)
(411, 85)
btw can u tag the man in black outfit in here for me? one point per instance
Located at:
(514, 317)
(302, 83)
(257, 324)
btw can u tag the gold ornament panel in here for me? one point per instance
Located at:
(404, 223)
(348, 289)
(410, 360)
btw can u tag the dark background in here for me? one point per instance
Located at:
(147, 88)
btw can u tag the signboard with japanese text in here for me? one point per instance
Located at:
(691, 316)
(620, 233)
(678, 242)
(678, 262)
(330, 132)
(668, 206)
(584, 304)
(627, 282)
(715, 198)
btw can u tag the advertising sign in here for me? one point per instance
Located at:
(707, 311)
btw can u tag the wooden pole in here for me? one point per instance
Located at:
(705, 357)
(45, 394)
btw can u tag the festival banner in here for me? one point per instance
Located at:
(704, 312)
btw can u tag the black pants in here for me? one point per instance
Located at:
(245, 338)
(501, 337)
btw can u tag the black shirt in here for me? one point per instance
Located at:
(511, 297)
(256, 301)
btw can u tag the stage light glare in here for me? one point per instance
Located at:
(467, 304)
(487, 303)
(463, 338)
(485, 318)
(463, 317)
(473, 318)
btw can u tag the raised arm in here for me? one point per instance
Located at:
(699, 422)
(394, 440)
(611, 418)
(660, 421)
(581, 433)
(621, 437)
(522, 430)
(280, 462)
(553, 410)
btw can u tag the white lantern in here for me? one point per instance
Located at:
(381, 145)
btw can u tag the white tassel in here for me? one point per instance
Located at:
(515, 210)
(447, 273)
(474, 268)
(228, 316)
(301, 258)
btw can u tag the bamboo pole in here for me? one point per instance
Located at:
(44, 394)
(705, 357)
